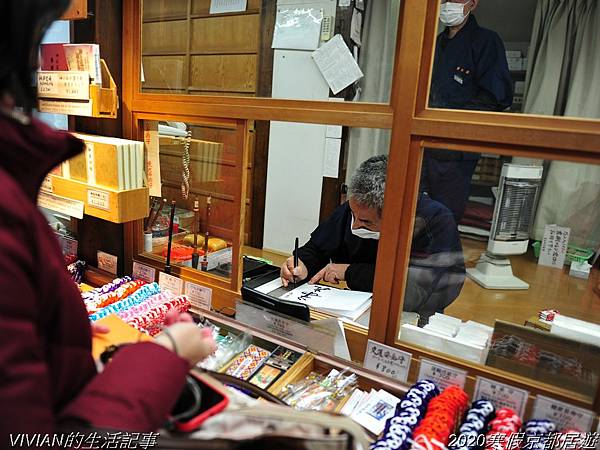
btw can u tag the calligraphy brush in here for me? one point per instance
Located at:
(150, 215)
(168, 263)
(196, 230)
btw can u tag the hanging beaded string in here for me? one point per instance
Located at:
(185, 182)
(409, 412)
(472, 431)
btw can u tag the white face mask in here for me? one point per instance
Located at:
(452, 13)
(363, 232)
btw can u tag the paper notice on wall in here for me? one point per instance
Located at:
(344, 3)
(297, 29)
(356, 26)
(336, 64)
(152, 150)
(331, 159)
(554, 246)
(227, 6)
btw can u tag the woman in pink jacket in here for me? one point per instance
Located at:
(48, 378)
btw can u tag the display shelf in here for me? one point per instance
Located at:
(103, 203)
(77, 11)
(70, 92)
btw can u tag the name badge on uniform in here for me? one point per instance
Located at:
(458, 79)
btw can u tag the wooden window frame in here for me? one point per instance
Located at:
(412, 125)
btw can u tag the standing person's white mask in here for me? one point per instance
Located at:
(452, 13)
(363, 232)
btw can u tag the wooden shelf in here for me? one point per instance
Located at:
(101, 101)
(77, 11)
(113, 206)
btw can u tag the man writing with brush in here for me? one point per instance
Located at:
(344, 246)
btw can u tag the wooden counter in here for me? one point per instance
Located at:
(548, 289)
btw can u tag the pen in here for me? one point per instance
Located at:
(196, 230)
(295, 257)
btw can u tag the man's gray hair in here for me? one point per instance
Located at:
(367, 185)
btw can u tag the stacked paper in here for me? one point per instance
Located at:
(467, 340)
(578, 330)
(108, 162)
(338, 302)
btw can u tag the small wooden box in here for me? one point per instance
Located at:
(106, 204)
(101, 101)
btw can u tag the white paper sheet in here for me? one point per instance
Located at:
(380, 407)
(344, 3)
(336, 64)
(326, 297)
(227, 6)
(297, 29)
(269, 286)
(331, 160)
(334, 131)
(356, 26)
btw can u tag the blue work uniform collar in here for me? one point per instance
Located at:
(470, 27)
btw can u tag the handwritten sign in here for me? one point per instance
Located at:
(554, 246)
(143, 272)
(564, 415)
(387, 360)
(64, 85)
(98, 199)
(171, 283)
(501, 395)
(441, 374)
(107, 262)
(199, 296)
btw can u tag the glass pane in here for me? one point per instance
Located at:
(198, 169)
(500, 246)
(266, 50)
(517, 56)
(310, 193)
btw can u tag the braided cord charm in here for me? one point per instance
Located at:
(185, 169)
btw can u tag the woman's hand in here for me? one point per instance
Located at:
(188, 341)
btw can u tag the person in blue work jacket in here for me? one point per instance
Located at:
(344, 246)
(470, 72)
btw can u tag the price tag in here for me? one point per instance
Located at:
(441, 374)
(143, 272)
(47, 184)
(387, 360)
(564, 415)
(200, 296)
(107, 262)
(171, 283)
(98, 199)
(501, 395)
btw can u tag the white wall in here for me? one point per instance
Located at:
(296, 150)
